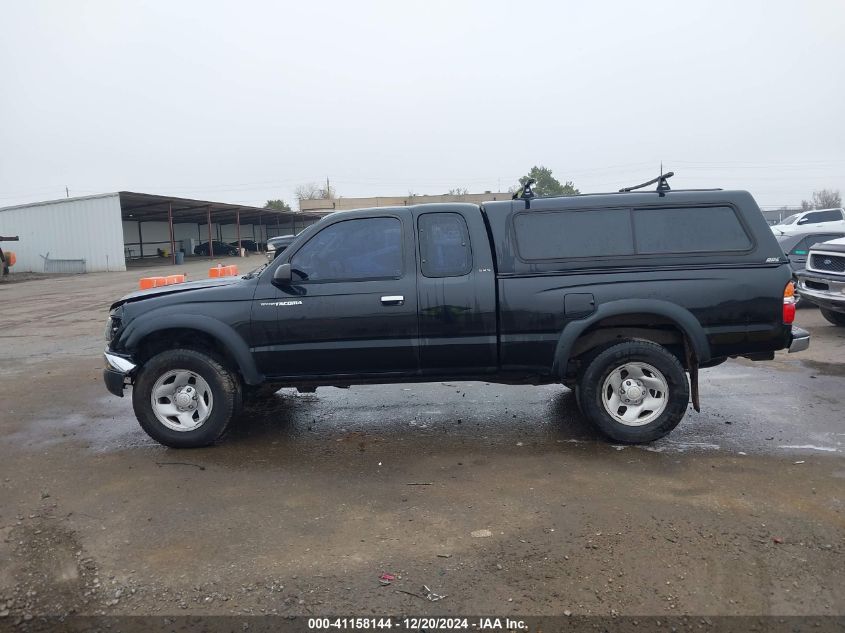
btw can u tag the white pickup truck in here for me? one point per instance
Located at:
(823, 280)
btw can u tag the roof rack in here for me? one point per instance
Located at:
(661, 180)
(525, 192)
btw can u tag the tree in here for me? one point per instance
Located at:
(308, 191)
(548, 185)
(313, 191)
(823, 199)
(278, 205)
(458, 191)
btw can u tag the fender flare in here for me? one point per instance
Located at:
(681, 317)
(224, 334)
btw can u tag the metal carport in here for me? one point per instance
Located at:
(208, 217)
(104, 232)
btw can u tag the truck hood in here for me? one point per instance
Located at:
(833, 246)
(786, 229)
(187, 286)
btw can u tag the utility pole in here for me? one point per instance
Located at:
(67, 192)
(328, 188)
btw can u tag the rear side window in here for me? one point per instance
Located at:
(444, 245)
(619, 232)
(564, 234)
(689, 230)
(802, 246)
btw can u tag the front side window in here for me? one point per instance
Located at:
(444, 245)
(366, 248)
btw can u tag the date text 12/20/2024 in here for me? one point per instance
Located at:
(416, 624)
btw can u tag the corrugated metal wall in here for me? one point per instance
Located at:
(77, 228)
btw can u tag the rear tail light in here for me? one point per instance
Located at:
(789, 303)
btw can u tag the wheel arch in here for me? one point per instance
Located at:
(663, 312)
(192, 331)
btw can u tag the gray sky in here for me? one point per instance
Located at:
(242, 101)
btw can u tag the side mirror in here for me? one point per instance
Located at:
(282, 275)
(804, 221)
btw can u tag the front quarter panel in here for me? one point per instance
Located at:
(220, 312)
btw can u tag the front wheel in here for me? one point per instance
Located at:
(184, 398)
(837, 318)
(634, 392)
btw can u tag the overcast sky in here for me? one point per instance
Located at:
(242, 101)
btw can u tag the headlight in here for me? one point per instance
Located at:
(112, 326)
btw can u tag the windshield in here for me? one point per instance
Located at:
(256, 271)
(791, 219)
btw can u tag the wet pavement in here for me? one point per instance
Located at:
(310, 497)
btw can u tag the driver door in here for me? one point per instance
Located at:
(351, 307)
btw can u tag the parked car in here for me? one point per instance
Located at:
(250, 245)
(622, 297)
(823, 280)
(277, 245)
(220, 249)
(796, 246)
(820, 219)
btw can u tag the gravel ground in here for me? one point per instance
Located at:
(499, 498)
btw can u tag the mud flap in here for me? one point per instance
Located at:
(692, 367)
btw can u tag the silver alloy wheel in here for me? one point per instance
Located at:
(181, 400)
(635, 394)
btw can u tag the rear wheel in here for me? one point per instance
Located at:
(837, 318)
(634, 391)
(185, 398)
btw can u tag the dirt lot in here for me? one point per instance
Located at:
(499, 498)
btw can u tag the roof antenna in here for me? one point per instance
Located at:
(662, 182)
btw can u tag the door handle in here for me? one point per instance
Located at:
(392, 300)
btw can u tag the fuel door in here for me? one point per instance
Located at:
(577, 305)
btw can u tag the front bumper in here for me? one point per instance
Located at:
(800, 340)
(822, 290)
(118, 370)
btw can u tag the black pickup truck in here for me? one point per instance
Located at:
(622, 297)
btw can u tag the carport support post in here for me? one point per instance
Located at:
(238, 222)
(208, 220)
(172, 241)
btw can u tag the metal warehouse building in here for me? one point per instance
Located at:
(107, 232)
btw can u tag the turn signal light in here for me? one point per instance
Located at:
(789, 303)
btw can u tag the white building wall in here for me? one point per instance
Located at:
(86, 228)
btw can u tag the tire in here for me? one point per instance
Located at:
(837, 318)
(204, 419)
(639, 368)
